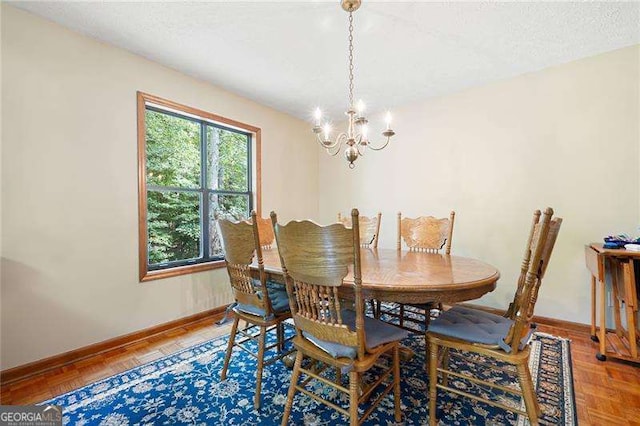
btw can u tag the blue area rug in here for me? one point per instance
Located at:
(185, 388)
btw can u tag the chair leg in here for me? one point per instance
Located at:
(528, 393)
(292, 389)
(445, 366)
(280, 335)
(401, 315)
(372, 304)
(427, 319)
(227, 357)
(427, 353)
(353, 398)
(396, 383)
(378, 308)
(433, 380)
(261, 340)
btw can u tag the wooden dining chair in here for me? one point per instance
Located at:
(369, 231)
(262, 304)
(369, 228)
(315, 261)
(503, 338)
(425, 234)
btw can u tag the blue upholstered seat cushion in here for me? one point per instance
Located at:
(474, 326)
(376, 332)
(278, 296)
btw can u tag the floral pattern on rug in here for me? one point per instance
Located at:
(185, 389)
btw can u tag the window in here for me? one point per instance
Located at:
(194, 168)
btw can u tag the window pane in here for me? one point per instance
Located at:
(228, 160)
(173, 221)
(173, 151)
(224, 206)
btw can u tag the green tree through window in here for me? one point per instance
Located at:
(196, 172)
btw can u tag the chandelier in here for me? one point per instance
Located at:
(356, 139)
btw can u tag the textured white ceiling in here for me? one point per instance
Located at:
(293, 56)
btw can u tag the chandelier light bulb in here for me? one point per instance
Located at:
(327, 130)
(360, 108)
(365, 132)
(387, 119)
(318, 116)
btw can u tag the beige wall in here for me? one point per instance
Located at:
(69, 194)
(565, 137)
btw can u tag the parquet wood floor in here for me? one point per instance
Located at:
(607, 393)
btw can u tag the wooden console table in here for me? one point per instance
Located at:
(618, 343)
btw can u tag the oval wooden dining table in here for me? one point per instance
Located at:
(412, 277)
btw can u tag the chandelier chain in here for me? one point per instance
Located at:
(350, 59)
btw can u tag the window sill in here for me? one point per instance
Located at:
(180, 270)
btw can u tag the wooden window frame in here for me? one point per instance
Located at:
(142, 100)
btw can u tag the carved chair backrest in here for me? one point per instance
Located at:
(369, 229)
(265, 230)
(315, 260)
(542, 239)
(426, 233)
(241, 241)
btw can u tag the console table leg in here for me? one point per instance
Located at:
(593, 309)
(603, 322)
(615, 295)
(630, 306)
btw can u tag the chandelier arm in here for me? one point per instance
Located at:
(341, 139)
(337, 144)
(380, 148)
(333, 154)
(322, 144)
(358, 144)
